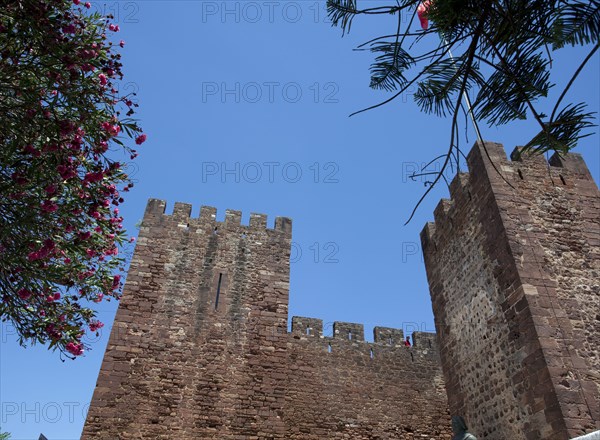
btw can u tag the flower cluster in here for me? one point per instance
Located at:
(62, 126)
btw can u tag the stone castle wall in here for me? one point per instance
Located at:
(513, 263)
(200, 348)
(345, 388)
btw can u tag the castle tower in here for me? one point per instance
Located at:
(200, 348)
(203, 316)
(513, 263)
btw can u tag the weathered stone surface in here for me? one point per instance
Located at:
(513, 263)
(200, 348)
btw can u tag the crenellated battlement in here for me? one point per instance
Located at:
(488, 161)
(307, 327)
(203, 349)
(207, 220)
(352, 334)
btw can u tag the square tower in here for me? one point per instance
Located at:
(203, 315)
(513, 263)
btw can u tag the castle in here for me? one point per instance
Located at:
(200, 347)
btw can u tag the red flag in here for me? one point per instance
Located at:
(422, 12)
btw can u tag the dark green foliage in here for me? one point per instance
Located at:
(386, 72)
(502, 58)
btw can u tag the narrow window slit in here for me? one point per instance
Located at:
(218, 291)
(308, 331)
(350, 336)
(329, 348)
(562, 179)
(520, 174)
(412, 357)
(372, 355)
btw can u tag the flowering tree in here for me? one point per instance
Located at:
(494, 56)
(62, 123)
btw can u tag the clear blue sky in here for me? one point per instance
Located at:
(264, 89)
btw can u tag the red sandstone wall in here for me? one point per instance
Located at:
(177, 367)
(341, 388)
(513, 274)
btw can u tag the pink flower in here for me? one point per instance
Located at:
(32, 256)
(99, 297)
(122, 43)
(19, 178)
(24, 294)
(50, 189)
(113, 27)
(102, 147)
(140, 139)
(56, 296)
(66, 171)
(88, 5)
(76, 2)
(422, 12)
(49, 206)
(94, 177)
(52, 331)
(102, 78)
(90, 252)
(74, 349)
(84, 235)
(47, 248)
(67, 261)
(69, 29)
(31, 150)
(116, 281)
(95, 325)
(132, 239)
(113, 130)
